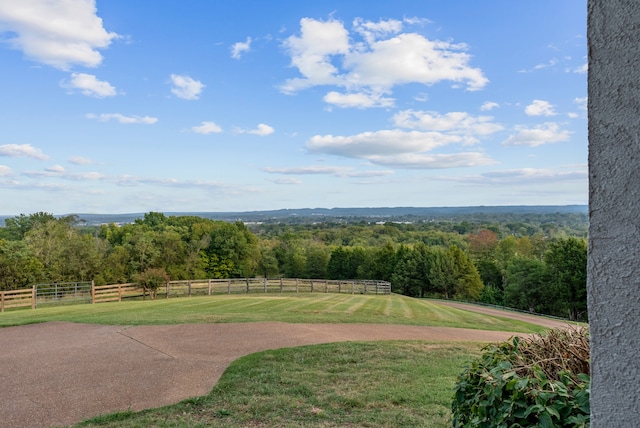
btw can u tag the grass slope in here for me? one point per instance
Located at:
(293, 308)
(355, 384)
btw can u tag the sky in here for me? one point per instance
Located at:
(120, 106)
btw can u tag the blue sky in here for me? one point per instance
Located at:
(116, 106)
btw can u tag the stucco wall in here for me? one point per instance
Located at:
(614, 192)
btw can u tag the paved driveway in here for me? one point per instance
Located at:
(59, 373)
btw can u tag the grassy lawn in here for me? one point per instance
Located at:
(293, 308)
(352, 384)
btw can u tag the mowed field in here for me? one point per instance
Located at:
(355, 384)
(291, 308)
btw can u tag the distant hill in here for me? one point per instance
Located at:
(350, 214)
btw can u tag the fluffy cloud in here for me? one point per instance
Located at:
(207, 128)
(397, 148)
(372, 31)
(89, 85)
(262, 130)
(542, 134)
(185, 87)
(534, 175)
(79, 160)
(58, 33)
(358, 100)
(385, 58)
(539, 108)
(56, 169)
(455, 123)
(22, 151)
(5, 171)
(105, 117)
(311, 53)
(237, 49)
(489, 105)
(433, 161)
(337, 171)
(525, 176)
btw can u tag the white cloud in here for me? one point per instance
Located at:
(287, 181)
(55, 168)
(105, 117)
(58, 33)
(262, 130)
(371, 31)
(581, 102)
(397, 148)
(524, 176)
(542, 134)
(22, 151)
(79, 160)
(185, 87)
(380, 143)
(311, 51)
(337, 171)
(583, 69)
(324, 55)
(540, 108)
(435, 161)
(489, 105)
(533, 175)
(237, 49)
(358, 100)
(207, 128)
(5, 171)
(414, 20)
(456, 123)
(89, 85)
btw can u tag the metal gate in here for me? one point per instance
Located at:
(62, 293)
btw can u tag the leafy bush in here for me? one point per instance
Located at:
(540, 381)
(151, 279)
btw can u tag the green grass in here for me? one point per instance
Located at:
(292, 308)
(352, 384)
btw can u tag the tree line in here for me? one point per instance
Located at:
(534, 270)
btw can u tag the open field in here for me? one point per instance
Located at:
(247, 348)
(298, 308)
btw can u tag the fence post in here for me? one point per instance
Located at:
(353, 287)
(280, 284)
(247, 285)
(265, 285)
(326, 286)
(209, 287)
(167, 287)
(1, 301)
(311, 285)
(296, 285)
(120, 293)
(229, 286)
(93, 292)
(33, 297)
(189, 288)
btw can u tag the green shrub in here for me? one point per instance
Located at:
(151, 279)
(541, 381)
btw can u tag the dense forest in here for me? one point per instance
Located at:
(534, 262)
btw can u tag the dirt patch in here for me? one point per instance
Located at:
(61, 373)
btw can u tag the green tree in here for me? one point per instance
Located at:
(19, 268)
(527, 286)
(17, 227)
(566, 261)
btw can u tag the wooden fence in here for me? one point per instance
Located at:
(195, 287)
(18, 298)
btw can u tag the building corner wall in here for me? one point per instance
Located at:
(614, 211)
